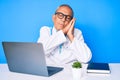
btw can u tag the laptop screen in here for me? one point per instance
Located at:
(26, 57)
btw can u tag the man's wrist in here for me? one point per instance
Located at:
(71, 38)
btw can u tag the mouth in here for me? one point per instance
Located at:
(61, 24)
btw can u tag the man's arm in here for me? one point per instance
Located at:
(50, 42)
(80, 48)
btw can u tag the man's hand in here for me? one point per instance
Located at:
(68, 30)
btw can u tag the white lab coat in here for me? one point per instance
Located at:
(69, 52)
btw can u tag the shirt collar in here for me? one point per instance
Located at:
(54, 30)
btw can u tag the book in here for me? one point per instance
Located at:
(98, 68)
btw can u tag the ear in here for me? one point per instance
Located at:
(53, 18)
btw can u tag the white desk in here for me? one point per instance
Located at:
(66, 74)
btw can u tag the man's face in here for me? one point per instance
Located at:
(62, 17)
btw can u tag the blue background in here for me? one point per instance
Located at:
(99, 20)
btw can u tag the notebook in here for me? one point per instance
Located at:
(28, 57)
(98, 68)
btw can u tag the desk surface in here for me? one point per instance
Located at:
(66, 74)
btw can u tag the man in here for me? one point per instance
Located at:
(63, 43)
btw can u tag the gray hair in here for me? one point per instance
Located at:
(66, 5)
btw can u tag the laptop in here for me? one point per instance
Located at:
(28, 57)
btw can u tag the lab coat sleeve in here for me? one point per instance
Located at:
(50, 42)
(80, 49)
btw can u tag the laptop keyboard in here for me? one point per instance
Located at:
(53, 70)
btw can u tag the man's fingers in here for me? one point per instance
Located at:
(73, 22)
(69, 27)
